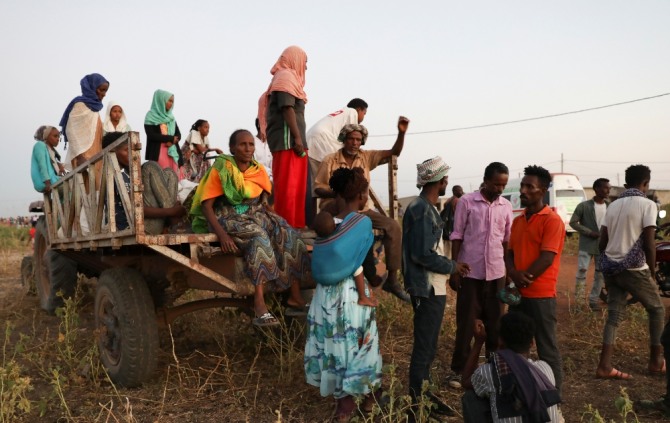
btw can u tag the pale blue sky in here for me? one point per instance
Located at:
(444, 64)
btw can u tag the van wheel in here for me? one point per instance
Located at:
(126, 324)
(53, 271)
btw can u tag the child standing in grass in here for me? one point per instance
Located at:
(45, 163)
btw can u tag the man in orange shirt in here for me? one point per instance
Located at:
(532, 262)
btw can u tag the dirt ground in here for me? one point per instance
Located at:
(213, 367)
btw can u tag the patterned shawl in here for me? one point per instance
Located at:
(237, 186)
(338, 256)
(635, 257)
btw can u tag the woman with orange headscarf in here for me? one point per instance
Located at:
(281, 114)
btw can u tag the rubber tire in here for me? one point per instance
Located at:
(53, 271)
(28, 275)
(126, 324)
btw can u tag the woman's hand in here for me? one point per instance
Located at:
(47, 186)
(227, 244)
(61, 169)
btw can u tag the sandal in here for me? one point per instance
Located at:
(266, 320)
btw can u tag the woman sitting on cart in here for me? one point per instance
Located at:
(231, 201)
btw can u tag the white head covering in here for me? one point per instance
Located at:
(108, 126)
(43, 132)
(432, 170)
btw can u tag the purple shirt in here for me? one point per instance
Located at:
(483, 227)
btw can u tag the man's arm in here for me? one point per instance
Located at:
(520, 277)
(604, 239)
(157, 212)
(403, 124)
(541, 264)
(473, 359)
(460, 216)
(575, 222)
(321, 187)
(421, 251)
(289, 117)
(649, 247)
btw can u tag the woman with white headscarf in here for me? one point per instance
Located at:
(115, 119)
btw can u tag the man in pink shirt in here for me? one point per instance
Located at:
(482, 225)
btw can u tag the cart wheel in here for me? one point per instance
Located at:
(53, 271)
(27, 275)
(127, 330)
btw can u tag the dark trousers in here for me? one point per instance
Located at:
(476, 299)
(665, 341)
(428, 314)
(543, 312)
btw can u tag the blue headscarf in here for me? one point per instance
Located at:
(89, 97)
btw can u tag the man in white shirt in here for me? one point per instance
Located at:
(628, 260)
(322, 136)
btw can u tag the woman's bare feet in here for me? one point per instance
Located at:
(367, 301)
(296, 303)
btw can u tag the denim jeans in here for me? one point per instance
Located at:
(428, 314)
(543, 312)
(583, 260)
(640, 285)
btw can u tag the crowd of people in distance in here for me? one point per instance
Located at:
(274, 183)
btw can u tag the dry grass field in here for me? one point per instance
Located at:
(214, 367)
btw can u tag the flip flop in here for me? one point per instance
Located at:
(615, 374)
(660, 372)
(266, 320)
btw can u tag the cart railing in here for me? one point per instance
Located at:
(80, 210)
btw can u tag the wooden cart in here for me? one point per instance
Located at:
(139, 275)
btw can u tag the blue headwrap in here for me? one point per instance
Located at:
(89, 97)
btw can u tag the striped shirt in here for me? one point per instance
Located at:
(482, 383)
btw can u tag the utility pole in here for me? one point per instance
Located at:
(561, 162)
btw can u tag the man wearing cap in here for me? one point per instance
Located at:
(424, 271)
(351, 155)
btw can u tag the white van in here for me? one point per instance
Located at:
(563, 195)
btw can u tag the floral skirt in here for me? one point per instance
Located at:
(342, 351)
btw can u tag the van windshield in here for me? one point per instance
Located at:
(567, 200)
